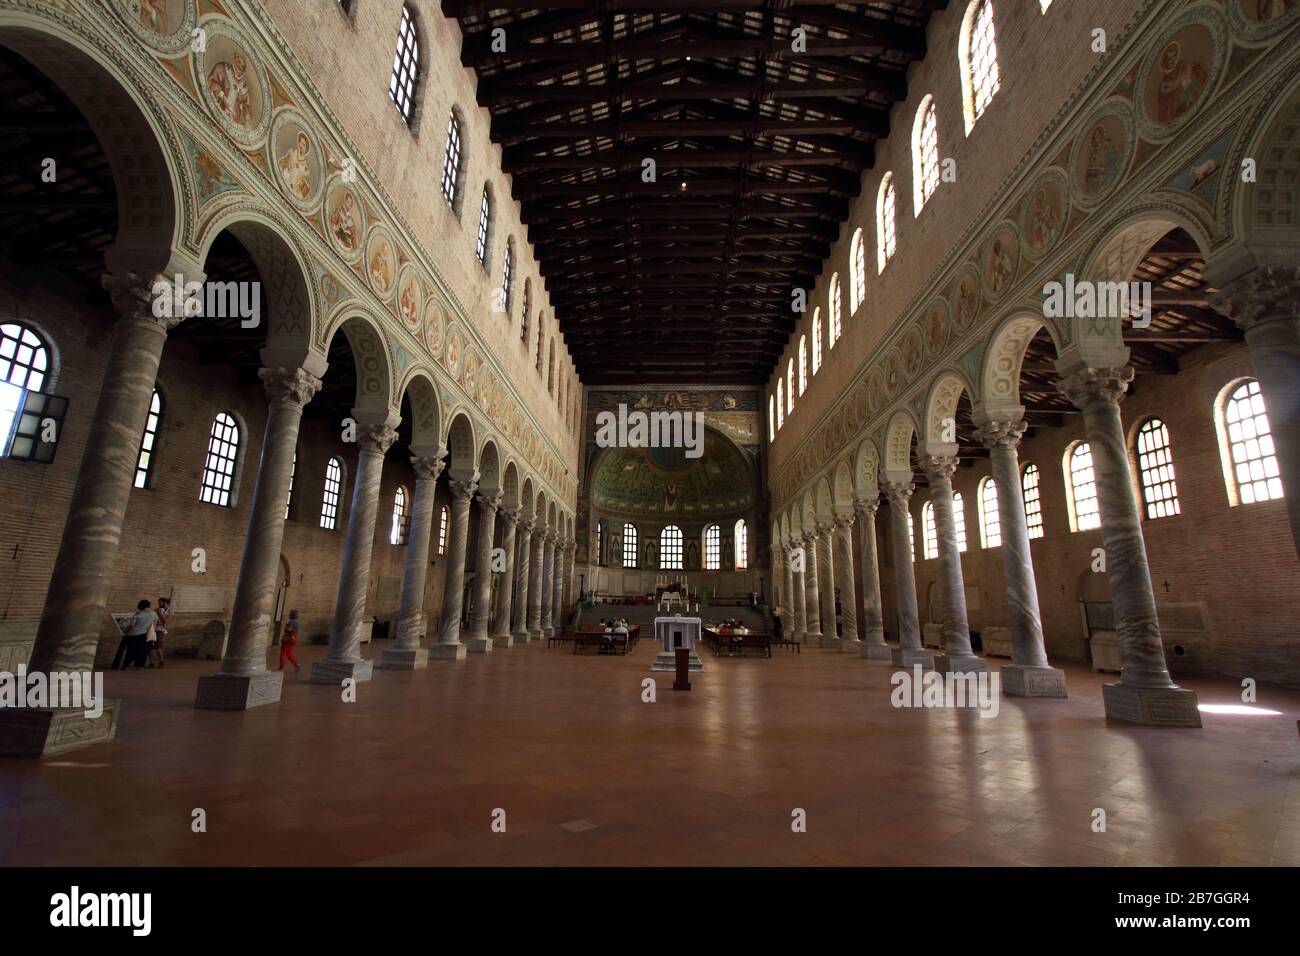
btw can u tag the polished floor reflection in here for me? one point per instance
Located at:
(587, 773)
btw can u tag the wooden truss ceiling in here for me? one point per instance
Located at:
(758, 151)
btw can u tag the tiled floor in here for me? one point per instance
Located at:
(589, 774)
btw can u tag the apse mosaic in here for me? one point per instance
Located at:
(662, 481)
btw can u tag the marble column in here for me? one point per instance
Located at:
(243, 680)
(343, 659)
(449, 646)
(1145, 693)
(788, 627)
(557, 602)
(842, 538)
(799, 597)
(873, 646)
(501, 634)
(477, 640)
(826, 583)
(523, 574)
(957, 656)
(812, 594)
(1029, 674)
(535, 585)
(406, 652)
(548, 585)
(910, 650)
(1265, 304)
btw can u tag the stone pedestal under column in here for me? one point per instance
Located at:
(873, 647)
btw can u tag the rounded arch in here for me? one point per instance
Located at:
(898, 446)
(825, 503)
(552, 518)
(843, 486)
(489, 468)
(462, 464)
(886, 220)
(866, 470)
(922, 161)
(809, 516)
(1262, 216)
(1004, 356)
(370, 354)
(979, 16)
(419, 389)
(510, 485)
(526, 498)
(539, 510)
(941, 412)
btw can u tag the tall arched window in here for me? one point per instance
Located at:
(817, 340)
(1156, 470)
(1246, 443)
(550, 369)
(219, 468)
(977, 55)
(670, 548)
(24, 363)
(507, 275)
(288, 500)
(780, 404)
(397, 533)
(629, 546)
(600, 541)
(1033, 501)
(771, 418)
(929, 532)
(541, 345)
(886, 235)
(857, 272)
(444, 519)
(959, 520)
(484, 224)
(406, 66)
(712, 548)
(911, 535)
(990, 522)
(148, 443)
(803, 363)
(1081, 487)
(834, 305)
(925, 153)
(451, 162)
(523, 319)
(329, 506)
(789, 386)
(742, 545)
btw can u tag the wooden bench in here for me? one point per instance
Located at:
(787, 643)
(719, 641)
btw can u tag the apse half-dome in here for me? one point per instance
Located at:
(664, 482)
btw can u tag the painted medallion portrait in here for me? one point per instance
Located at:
(344, 219)
(1179, 80)
(1101, 155)
(161, 17)
(1001, 260)
(410, 298)
(966, 300)
(297, 161)
(381, 264)
(433, 330)
(232, 84)
(936, 330)
(453, 351)
(1042, 220)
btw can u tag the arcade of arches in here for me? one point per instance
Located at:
(988, 313)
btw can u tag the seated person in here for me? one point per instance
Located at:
(607, 638)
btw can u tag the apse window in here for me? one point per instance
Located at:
(600, 540)
(406, 67)
(397, 533)
(1156, 470)
(24, 365)
(329, 507)
(148, 443)
(1082, 488)
(219, 468)
(742, 545)
(1033, 501)
(670, 548)
(629, 546)
(990, 524)
(443, 520)
(712, 548)
(1250, 458)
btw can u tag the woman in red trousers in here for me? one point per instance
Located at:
(289, 640)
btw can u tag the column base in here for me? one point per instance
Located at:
(830, 643)
(403, 659)
(960, 664)
(875, 652)
(478, 645)
(535, 634)
(1151, 706)
(447, 651)
(812, 637)
(1021, 681)
(49, 731)
(911, 656)
(850, 645)
(238, 691)
(521, 637)
(335, 672)
(502, 641)
(548, 632)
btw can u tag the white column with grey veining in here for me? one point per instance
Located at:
(789, 630)
(449, 646)
(557, 600)
(812, 594)
(478, 641)
(873, 619)
(826, 582)
(799, 597)
(535, 585)
(523, 574)
(548, 585)
(243, 679)
(957, 656)
(406, 652)
(910, 650)
(501, 634)
(1029, 674)
(842, 539)
(343, 659)
(1145, 693)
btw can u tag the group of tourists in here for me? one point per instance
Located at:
(614, 627)
(143, 637)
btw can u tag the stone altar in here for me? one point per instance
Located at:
(674, 632)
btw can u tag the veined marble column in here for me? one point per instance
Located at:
(406, 652)
(812, 596)
(477, 641)
(843, 541)
(1145, 693)
(1265, 304)
(548, 585)
(958, 656)
(535, 585)
(789, 629)
(523, 573)
(501, 635)
(449, 646)
(343, 659)
(910, 650)
(243, 680)
(1029, 674)
(873, 646)
(826, 583)
(561, 562)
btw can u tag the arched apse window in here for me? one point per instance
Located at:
(288, 499)
(886, 214)
(925, 153)
(484, 225)
(712, 548)
(929, 531)
(780, 401)
(451, 162)
(600, 541)
(857, 272)
(990, 522)
(1156, 470)
(789, 387)
(507, 276)
(406, 66)
(959, 520)
(444, 518)
(670, 548)
(148, 443)
(1033, 500)
(742, 545)
(24, 365)
(1081, 487)
(911, 535)
(834, 306)
(1246, 445)
(803, 363)
(219, 468)
(771, 418)
(977, 56)
(817, 340)
(629, 546)
(329, 506)
(397, 533)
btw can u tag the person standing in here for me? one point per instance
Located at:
(289, 641)
(164, 614)
(138, 632)
(777, 613)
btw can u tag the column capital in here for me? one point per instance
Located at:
(508, 515)
(490, 501)
(525, 525)
(939, 467)
(427, 467)
(375, 438)
(866, 507)
(1264, 294)
(899, 492)
(463, 489)
(1093, 386)
(824, 526)
(133, 297)
(844, 521)
(289, 386)
(1001, 434)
